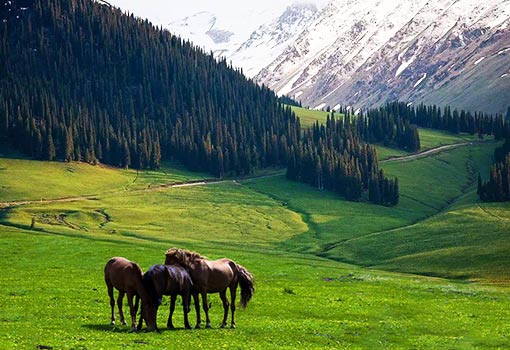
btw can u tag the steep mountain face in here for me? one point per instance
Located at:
(247, 45)
(363, 53)
(267, 42)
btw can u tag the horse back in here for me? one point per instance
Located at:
(180, 277)
(123, 274)
(215, 275)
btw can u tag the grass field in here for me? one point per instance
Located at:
(293, 238)
(53, 295)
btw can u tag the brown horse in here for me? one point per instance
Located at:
(167, 280)
(127, 278)
(213, 277)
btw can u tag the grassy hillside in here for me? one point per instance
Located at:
(300, 302)
(53, 274)
(430, 187)
(23, 179)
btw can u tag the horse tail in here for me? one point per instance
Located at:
(246, 282)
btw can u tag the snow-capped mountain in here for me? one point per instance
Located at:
(267, 42)
(202, 29)
(365, 52)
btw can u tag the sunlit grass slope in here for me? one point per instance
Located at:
(52, 282)
(24, 179)
(356, 232)
(309, 116)
(52, 292)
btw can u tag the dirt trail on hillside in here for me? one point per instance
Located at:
(432, 151)
(155, 188)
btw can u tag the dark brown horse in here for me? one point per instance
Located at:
(213, 277)
(167, 280)
(127, 277)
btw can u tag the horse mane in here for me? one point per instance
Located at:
(184, 256)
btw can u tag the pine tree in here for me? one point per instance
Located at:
(49, 148)
(69, 147)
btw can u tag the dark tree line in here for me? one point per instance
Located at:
(434, 117)
(497, 187)
(289, 101)
(333, 157)
(81, 81)
(388, 128)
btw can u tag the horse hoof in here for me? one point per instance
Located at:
(112, 323)
(124, 323)
(170, 326)
(197, 326)
(208, 326)
(233, 326)
(223, 326)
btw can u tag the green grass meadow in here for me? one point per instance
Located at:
(430, 273)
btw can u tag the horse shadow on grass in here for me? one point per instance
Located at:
(127, 329)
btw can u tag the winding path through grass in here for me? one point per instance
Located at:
(432, 151)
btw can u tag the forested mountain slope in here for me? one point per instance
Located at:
(82, 81)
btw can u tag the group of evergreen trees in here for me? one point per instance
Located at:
(497, 187)
(81, 81)
(389, 129)
(434, 117)
(333, 157)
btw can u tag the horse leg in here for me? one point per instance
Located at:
(137, 303)
(186, 301)
(196, 301)
(223, 296)
(132, 310)
(206, 310)
(119, 304)
(140, 321)
(169, 323)
(233, 291)
(112, 302)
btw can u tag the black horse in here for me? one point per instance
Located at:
(162, 280)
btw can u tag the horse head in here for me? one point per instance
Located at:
(176, 256)
(151, 300)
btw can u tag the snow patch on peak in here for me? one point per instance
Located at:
(479, 60)
(420, 80)
(404, 66)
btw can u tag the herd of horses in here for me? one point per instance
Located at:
(184, 273)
